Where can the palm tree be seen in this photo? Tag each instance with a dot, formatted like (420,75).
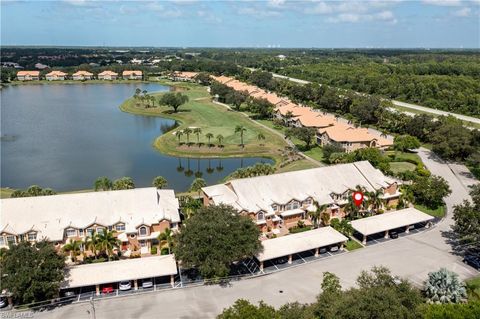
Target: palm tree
(91,243)
(103,183)
(197,132)
(179,135)
(123,183)
(209,136)
(106,242)
(317,213)
(260,137)
(220,139)
(197,185)
(74,248)
(159,182)
(374,200)
(137,93)
(240,129)
(165,239)
(187,132)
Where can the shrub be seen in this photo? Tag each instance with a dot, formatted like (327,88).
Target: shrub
(153,250)
(444,286)
(164,251)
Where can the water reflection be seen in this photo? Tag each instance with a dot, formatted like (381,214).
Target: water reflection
(65,136)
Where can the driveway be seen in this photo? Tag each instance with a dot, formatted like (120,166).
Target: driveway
(411,257)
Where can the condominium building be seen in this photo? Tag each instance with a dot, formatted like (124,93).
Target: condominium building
(281,200)
(132,75)
(28,75)
(107,75)
(137,216)
(56,76)
(82,76)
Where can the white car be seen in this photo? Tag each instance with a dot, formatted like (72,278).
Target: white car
(147,284)
(125,285)
(3,302)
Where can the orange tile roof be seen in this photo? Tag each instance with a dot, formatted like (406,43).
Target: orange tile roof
(108,72)
(342,132)
(294,108)
(189,75)
(316,119)
(134,72)
(31,73)
(84,73)
(56,73)
(222,79)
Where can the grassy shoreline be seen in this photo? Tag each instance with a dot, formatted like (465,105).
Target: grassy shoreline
(200,112)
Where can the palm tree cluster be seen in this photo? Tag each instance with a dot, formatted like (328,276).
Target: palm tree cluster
(258,169)
(102,243)
(166,240)
(197,131)
(144,98)
(319,214)
(104,183)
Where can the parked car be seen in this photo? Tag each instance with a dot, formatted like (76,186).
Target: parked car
(107,289)
(473,261)
(334,248)
(3,302)
(147,283)
(282,260)
(393,234)
(322,250)
(125,285)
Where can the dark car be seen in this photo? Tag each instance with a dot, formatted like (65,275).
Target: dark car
(282,260)
(473,261)
(393,234)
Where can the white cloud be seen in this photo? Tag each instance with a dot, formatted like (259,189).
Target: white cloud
(257,12)
(209,16)
(276,3)
(444,3)
(164,11)
(464,12)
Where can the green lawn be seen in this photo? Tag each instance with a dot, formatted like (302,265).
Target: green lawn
(211,118)
(315,152)
(398,167)
(352,245)
(473,288)
(296,166)
(439,212)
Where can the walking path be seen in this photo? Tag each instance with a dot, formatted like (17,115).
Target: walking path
(411,257)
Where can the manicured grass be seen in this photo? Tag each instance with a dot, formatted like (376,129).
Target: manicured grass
(439,212)
(296,230)
(473,288)
(6,192)
(297,165)
(352,245)
(316,153)
(404,157)
(211,118)
(398,167)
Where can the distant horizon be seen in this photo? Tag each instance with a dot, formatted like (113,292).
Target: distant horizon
(373,24)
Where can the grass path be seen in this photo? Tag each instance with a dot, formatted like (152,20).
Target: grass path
(210,118)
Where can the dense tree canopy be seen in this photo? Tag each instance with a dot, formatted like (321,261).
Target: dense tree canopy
(173,100)
(33,190)
(215,237)
(430,190)
(405,142)
(32,273)
(467,222)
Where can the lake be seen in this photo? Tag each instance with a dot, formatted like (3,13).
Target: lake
(64,136)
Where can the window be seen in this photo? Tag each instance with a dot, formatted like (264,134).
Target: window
(21,237)
(120,227)
(110,228)
(100,230)
(71,232)
(275,207)
(261,215)
(80,232)
(142,231)
(2,241)
(89,231)
(10,239)
(295,204)
(32,236)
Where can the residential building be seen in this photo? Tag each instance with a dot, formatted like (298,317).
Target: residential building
(138,216)
(28,75)
(41,66)
(132,75)
(281,200)
(82,76)
(222,79)
(107,75)
(56,76)
(350,138)
(183,76)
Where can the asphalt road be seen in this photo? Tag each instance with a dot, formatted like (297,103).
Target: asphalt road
(411,257)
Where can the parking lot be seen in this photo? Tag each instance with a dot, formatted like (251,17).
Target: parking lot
(276,264)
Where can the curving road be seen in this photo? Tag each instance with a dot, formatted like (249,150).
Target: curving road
(411,257)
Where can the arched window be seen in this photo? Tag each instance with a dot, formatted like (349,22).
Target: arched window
(261,215)
(142,231)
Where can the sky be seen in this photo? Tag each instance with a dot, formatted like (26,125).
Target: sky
(273,23)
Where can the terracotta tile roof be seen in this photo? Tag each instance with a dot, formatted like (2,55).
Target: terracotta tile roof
(107,72)
(222,79)
(84,73)
(341,132)
(134,72)
(316,119)
(56,73)
(31,73)
(189,75)
(294,108)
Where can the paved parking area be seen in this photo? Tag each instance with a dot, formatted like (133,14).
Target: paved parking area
(380,237)
(273,265)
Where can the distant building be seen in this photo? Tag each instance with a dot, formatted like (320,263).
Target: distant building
(28,75)
(281,57)
(183,76)
(132,75)
(107,75)
(11,65)
(82,76)
(41,66)
(56,76)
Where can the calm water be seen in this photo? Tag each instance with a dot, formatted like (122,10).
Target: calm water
(65,136)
